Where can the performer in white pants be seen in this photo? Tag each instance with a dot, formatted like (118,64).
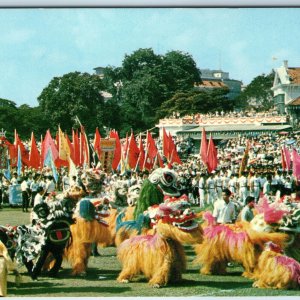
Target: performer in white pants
(243,187)
(202,190)
(211,189)
(255,187)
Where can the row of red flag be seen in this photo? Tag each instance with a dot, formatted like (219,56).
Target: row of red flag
(129,154)
(208,152)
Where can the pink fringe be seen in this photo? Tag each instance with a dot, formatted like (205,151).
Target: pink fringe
(149,239)
(271,214)
(292,265)
(209,218)
(235,239)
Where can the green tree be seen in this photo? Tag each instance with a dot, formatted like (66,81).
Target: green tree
(8,117)
(74,94)
(196,101)
(31,119)
(145,81)
(258,94)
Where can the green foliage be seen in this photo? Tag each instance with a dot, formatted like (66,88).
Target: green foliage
(145,81)
(73,94)
(258,94)
(196,101)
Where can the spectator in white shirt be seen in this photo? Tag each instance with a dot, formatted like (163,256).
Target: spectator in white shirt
(50,186)
(224,210)
(25,194)
(38,199)
(33,188)
(14,180)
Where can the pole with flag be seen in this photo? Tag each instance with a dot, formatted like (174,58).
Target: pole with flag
(203,147)
(19,163)
(245,159)
(50,163)
(212,156)
(6,172)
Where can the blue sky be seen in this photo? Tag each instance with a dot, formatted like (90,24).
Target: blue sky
(39,44)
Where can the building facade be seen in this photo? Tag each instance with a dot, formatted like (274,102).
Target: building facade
(218,79)
(286,89)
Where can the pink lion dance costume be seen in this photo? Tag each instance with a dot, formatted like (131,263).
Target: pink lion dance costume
(232,242)
(275,270)
(160,257)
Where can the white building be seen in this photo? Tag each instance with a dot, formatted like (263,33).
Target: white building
(286,88)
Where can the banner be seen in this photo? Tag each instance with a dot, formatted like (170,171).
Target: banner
(107,147)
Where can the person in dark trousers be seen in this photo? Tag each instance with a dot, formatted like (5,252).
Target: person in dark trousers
(25,195)
(57,252)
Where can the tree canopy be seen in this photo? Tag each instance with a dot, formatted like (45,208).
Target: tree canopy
(145,81)
(73,94)
(258,94)
(196,101)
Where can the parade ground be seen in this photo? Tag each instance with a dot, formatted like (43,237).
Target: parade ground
(103,271)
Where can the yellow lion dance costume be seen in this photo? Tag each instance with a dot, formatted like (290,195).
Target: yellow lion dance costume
(6,265)
(275,270)
(89,228)
(232,242)
(160,257)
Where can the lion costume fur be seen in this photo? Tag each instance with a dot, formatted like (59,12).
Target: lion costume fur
(276,270)
(84,233)
(232,242)
(160,257)
(6,264)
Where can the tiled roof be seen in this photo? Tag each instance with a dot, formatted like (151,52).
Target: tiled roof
(296,101)
(294,74)
(212,84)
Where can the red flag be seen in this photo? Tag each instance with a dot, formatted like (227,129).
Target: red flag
(166,144)
(76,147)
(159,160)
(24,152)
(133,152)
(287,156)
(141,159)
(151,152)
(283,161)
(174,157)
(203,147)
(296,164)
(48,143)
(34,154)
(212,156)
(97,143)
(117,153)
